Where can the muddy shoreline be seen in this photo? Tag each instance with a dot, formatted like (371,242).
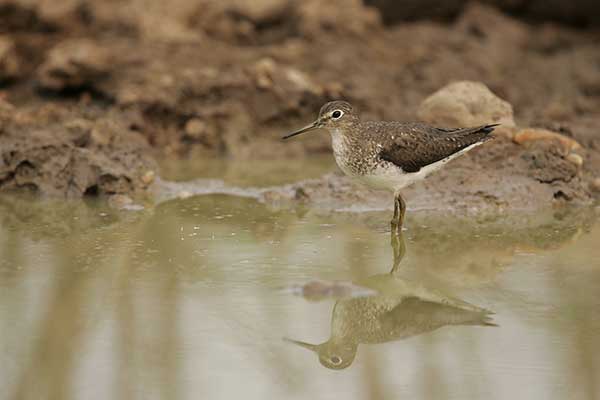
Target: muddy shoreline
(92,95)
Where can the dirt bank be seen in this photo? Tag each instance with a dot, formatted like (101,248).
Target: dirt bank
(198,77)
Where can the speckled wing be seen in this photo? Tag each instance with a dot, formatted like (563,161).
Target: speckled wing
(415,146)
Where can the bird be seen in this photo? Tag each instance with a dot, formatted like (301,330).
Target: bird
(401,309)
(390,154)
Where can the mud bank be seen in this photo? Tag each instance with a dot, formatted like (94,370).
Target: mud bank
(202,78)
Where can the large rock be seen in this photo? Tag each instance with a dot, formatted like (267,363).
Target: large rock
(465,103)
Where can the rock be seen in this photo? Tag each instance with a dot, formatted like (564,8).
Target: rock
(7,111)
(548,163)
(184,194)
(595,185)
(74,64)
(575,159)
(316,16)
(194,128)
(281,88)
(527,135)
(148,178)
(259,11)
(465,103)
(268,74)
(242,21)
(119,201)
(9,59)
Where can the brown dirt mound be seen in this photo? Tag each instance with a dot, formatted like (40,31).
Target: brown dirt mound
(198,77)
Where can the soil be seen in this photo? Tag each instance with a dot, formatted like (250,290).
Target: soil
(200,78)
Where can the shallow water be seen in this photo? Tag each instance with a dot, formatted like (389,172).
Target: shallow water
(191,299)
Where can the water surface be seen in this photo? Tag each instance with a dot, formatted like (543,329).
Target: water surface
(189,299)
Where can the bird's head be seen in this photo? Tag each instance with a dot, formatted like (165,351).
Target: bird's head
(333,116)
(332,355)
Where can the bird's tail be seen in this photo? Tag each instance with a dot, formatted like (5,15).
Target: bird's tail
(488,128)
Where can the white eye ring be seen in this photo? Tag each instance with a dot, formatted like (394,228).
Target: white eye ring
(337,114)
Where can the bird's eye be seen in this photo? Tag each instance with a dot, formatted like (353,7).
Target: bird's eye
(337,114)
(336,360)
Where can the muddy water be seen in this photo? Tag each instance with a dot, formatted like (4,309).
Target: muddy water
(193,299)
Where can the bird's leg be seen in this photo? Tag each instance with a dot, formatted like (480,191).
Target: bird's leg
(399,248)
(399,210)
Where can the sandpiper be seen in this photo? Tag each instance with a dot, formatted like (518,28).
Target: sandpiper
(388,154)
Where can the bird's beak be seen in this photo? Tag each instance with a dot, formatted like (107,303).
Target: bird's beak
(311,347)
(314,125)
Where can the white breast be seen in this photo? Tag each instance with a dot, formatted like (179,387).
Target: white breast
(340,149)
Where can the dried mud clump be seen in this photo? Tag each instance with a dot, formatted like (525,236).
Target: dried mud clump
(59,153)
(9,59)
(74,65)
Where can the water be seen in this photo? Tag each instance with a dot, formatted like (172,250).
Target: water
(191,299)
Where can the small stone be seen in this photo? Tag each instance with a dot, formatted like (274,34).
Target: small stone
(533,134)
(263,71)
(301,195)
(148,177)
(184,194)
(595,185)
(194,128)
(575,159)
(119,201)
(465,103)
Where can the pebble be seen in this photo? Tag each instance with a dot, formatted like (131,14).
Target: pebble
(575,159)
(119,201)
(195,127)
(148,177)
(534,134)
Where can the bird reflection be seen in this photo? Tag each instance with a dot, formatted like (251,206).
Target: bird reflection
(401,309)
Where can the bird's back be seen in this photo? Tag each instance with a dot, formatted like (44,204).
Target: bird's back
(412,146)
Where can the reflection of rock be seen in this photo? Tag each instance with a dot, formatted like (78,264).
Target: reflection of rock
(53,218)
(401,309)
(318,290)
(465,104)
(74,64)
(56,154)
